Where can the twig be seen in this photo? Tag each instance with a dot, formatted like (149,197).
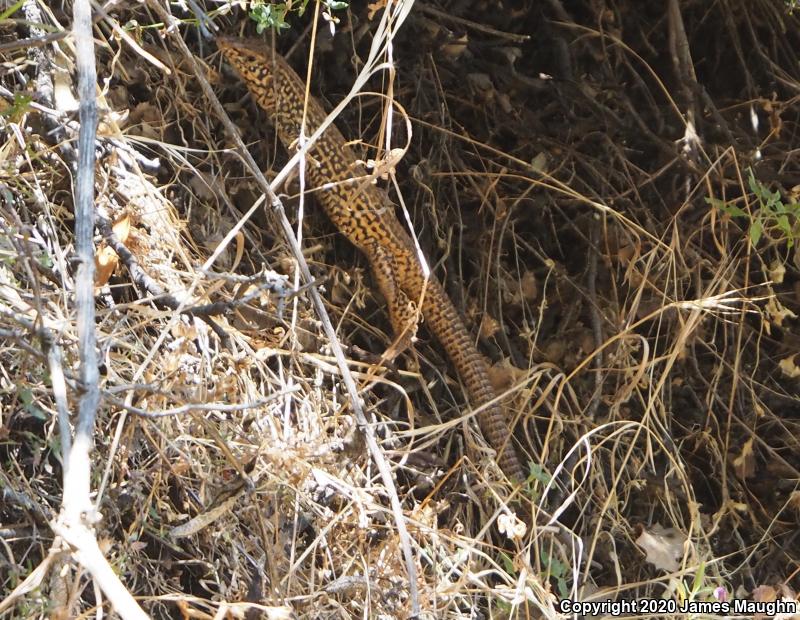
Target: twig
(267,279)
(477,26)
(32,42)
(76,471)
(54,363)
(191,407)
(148,285)
(75,523)
(44,91)
(41,512)
(594,315)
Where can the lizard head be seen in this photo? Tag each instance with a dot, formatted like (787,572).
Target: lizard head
(253,61)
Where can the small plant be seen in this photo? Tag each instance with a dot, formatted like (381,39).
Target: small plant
(17,109)
(538,478)
(273,14)
(702,589)
(29,404)
(772,216)
(556,569)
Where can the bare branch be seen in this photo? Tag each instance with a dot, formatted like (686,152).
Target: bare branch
(74,524)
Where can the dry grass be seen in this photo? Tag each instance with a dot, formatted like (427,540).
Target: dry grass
(582,220)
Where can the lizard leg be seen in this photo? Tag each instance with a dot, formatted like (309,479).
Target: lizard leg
(403,313)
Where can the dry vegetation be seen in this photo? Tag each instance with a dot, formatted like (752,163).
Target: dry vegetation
(608,190)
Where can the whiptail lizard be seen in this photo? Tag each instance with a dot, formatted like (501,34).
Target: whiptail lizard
(367,218)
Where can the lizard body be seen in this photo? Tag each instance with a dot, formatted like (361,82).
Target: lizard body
(364,215)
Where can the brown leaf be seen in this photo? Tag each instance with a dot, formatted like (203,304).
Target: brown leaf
(489,326)
(745,463)
(789,368)
(105,262)
(778,312)
(529,286)
(554,351)
(663,547)
(374,7)
(794,502)
(503,375)
(105,259)
(763,594)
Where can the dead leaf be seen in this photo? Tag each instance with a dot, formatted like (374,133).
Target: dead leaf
(480,82)
(105,262)
(63,95)
(105,259)
(503,375)
(763,594)
(663,547)
(539,163)
(794,502)
(529,286)
(627,253)
(122,228)
(382,168)
(745,463)
(775,120)
(777,271)
(554,351)
(184,330)
(105,544)
(778,312)
(454,48)
(511,526)
(789,368)
(489,326)
(374,7)
(585,338)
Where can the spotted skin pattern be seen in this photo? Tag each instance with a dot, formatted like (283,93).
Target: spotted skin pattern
(364,215)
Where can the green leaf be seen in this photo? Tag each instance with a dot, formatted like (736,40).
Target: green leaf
(11,10)
(751,181)
(26,398)
(756,230)
(508,564)
(726,207)
(503,606)
(20,106)
(55,447)
(783,224)
(775,200)
(269,16)
(699,577)
(538,473)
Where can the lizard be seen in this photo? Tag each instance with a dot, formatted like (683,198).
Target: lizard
(366,217)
